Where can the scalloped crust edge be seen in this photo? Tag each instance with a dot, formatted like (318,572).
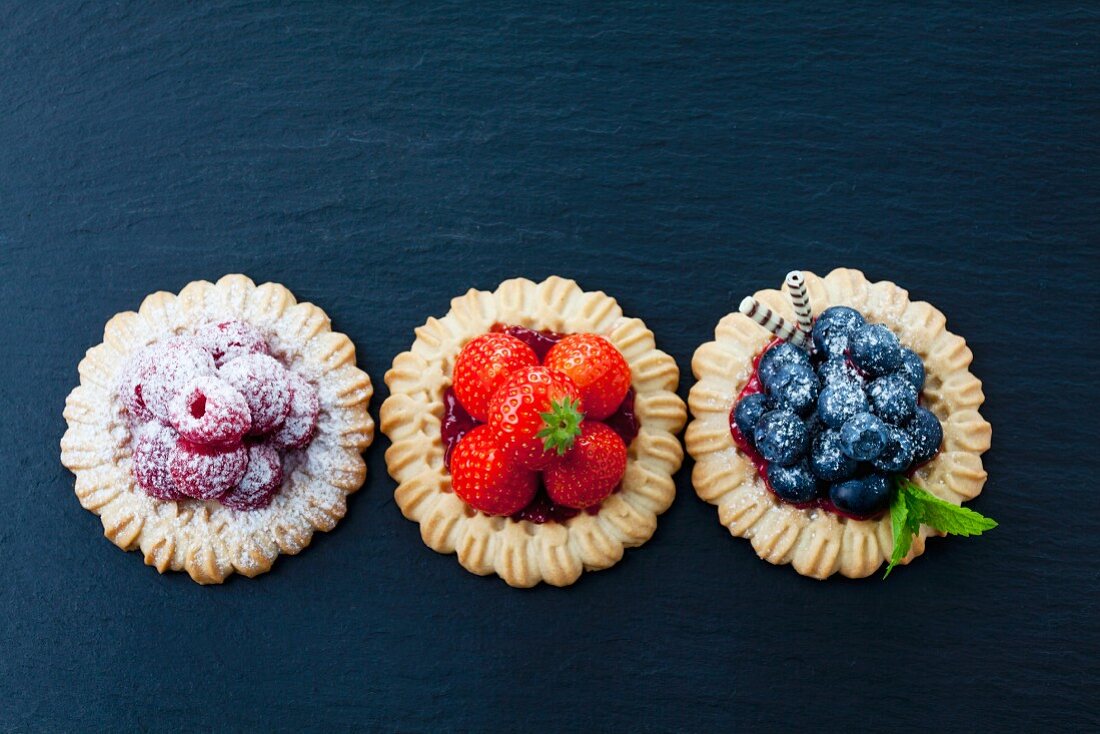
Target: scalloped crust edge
(205,539)
(818,543)
(525,553)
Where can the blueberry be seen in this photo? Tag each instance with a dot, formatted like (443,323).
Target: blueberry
(814,425)
(793,483)
(926,433)
(827,461)
(898,454)
(833,328)
(778,356)
(781,437)
(839,402)
(863,496)
(794,388)
(748,412)
(911,369)
(892,399)
(838,370)
(875,350)
(863,437)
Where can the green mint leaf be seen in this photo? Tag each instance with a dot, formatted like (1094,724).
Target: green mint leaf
(903,538)
(943,516)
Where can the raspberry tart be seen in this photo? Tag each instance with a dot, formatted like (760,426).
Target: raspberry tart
(218,428)
(534,431)
(843,433)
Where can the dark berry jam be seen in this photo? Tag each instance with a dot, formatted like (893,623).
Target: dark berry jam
(540,341)
(456,423)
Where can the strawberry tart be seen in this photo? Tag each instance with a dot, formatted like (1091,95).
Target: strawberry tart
(215,429)
(534,431)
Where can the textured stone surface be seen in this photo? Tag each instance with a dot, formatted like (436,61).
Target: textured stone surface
(380,161)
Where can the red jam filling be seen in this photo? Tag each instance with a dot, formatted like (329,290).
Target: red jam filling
(753,386)
(457,423)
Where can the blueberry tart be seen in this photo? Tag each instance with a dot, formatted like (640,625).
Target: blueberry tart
(836,425)
(217,428)
(534,431)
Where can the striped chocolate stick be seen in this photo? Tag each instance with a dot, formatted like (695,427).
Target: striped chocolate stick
(796,286)
(771,321)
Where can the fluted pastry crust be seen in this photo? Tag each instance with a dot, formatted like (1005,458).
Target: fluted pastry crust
(206,539)
(525,553)
(816,542)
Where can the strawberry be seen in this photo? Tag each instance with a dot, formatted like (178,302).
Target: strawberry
(536,412)
(597,368)
(482,366)
(485,478)
(590,471)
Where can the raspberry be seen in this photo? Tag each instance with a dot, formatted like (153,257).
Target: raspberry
(260,483)
(171,365)
(150,462)
(297,429)
(209,411)
(129,387)
(206,472)
(265,386)
(228,340)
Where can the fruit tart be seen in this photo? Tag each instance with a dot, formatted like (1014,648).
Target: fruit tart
(218,428)
(838,429)
(534,431)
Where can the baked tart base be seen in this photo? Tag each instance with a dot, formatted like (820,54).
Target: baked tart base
(206,539)
(524,553)
(816,542)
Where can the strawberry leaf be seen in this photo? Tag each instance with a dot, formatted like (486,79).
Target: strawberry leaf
(562,426)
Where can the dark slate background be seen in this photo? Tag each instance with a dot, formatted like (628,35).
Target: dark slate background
(380,161)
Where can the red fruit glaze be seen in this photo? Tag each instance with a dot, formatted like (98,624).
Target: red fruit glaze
(297,429)
(265,386)
(261,481)
(206,472)
(515,412)
(209,411)
(483,364)
(540,341)
(486,478)
(455,424)
(597,368)
(227,340)
(590,471)
(169,367)
(152,447)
